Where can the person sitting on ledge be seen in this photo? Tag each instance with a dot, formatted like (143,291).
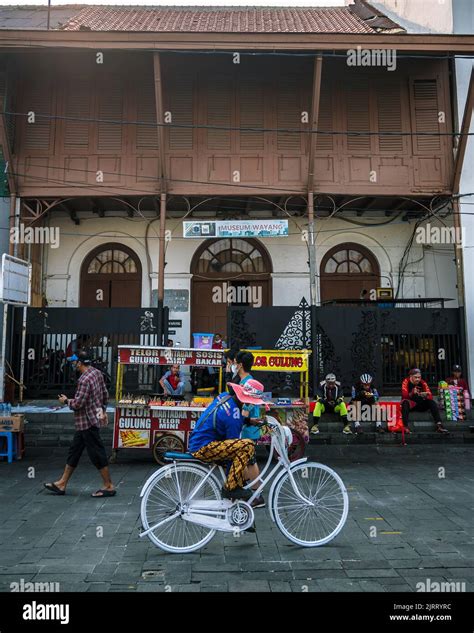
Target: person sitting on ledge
(330,397)
(417,396)
(364,391)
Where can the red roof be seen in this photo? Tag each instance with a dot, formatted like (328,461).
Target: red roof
(232,19)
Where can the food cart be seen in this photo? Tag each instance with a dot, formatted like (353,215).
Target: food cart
(150,421)
(292,412)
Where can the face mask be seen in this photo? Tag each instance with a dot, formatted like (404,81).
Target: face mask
(233,369)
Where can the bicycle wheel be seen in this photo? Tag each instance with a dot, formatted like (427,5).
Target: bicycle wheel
(161,501)
(318,523)
(167,442)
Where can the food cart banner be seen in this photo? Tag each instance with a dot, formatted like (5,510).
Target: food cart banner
(140,427)
(279,361)
(170,356)
(236,228)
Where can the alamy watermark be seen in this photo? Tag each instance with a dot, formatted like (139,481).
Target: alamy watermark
(243,295)
(384,57)
(430,234)
(432,586)
(35,235)
(22,586)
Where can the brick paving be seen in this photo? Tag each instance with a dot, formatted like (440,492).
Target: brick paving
(406,524)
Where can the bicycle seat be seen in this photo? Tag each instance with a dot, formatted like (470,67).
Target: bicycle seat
(175,457)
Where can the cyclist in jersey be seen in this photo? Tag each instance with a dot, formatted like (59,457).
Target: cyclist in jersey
(216,436)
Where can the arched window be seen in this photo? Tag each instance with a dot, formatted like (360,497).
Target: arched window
(230,257)
(111,277)
(348,271)
(227,272)
(113,260)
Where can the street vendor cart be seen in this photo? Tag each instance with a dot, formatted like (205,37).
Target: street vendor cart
(289,411)
(152,421)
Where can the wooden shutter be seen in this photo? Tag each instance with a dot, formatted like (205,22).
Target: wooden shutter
(389,117)
(219,113)
(325,142)
(77,108)
(252,114)
(289,114)
(358,116)
(147,135)
(110,108)
(180,96)
(425,109)
(38,99)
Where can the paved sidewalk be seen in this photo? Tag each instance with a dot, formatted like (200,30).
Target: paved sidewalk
(407,525)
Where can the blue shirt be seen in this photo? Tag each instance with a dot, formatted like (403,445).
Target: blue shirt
(229,422)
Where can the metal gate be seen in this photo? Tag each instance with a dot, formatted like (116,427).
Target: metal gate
(53,334)
(383,341)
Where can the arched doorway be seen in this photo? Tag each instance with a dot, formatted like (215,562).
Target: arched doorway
(348,271)
(227,272)
(111,277)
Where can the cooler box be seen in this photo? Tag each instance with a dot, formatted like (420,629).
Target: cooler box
(203,340)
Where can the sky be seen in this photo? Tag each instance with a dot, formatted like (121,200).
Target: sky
(207,3)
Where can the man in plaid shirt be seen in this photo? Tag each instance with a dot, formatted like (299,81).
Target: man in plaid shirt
(89,405)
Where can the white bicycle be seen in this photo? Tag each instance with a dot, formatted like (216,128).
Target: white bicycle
(182,506)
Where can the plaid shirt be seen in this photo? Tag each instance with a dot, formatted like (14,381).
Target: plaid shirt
(90,397)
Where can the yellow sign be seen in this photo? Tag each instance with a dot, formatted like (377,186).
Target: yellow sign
(280,360)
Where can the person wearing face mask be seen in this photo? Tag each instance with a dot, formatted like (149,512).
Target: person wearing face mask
(230,370)
(417,396)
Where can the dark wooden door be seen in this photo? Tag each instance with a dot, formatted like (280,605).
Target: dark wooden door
(111,277)
(349,271)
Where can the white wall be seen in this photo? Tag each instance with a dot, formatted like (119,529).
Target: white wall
(464,22)
(433,276)
(431,15)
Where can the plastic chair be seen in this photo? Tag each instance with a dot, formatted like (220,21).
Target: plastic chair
(11,446)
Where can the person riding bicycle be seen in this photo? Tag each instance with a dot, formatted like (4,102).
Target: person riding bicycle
(365,392)
(330,397)
(216,436)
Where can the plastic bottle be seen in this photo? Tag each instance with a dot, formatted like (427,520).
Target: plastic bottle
(9,409)
(2,411)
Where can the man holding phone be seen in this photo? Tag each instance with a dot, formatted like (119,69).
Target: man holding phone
(417,396)
(89,405)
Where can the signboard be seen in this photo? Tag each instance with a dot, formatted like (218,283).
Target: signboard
(15,282)
(286,360)
(141,355)
(140,427)
(236,228)
(175,323)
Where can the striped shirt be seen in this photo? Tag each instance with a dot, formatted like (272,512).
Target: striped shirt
(90,399)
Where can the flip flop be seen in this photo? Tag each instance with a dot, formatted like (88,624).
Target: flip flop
(54,489)
(98,494)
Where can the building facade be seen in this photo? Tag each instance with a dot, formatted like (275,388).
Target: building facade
(245,114)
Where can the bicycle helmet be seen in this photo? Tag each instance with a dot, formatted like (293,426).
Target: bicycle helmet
(366,379)
(330,378)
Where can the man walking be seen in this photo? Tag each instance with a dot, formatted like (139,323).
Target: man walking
(89,405)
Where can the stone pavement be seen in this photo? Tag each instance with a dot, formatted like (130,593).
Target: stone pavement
(409,522)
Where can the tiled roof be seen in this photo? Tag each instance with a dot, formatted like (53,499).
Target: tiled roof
(358,18)
(36,17)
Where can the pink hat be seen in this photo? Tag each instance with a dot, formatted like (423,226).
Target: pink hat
(250,393)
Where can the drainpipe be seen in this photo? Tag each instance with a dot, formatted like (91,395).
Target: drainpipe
(161,261)
(312,285)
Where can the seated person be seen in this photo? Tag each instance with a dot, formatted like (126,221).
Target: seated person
(330,398)
(216,436)
(173,382)
(417,396)
(365,392)
(456,379)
